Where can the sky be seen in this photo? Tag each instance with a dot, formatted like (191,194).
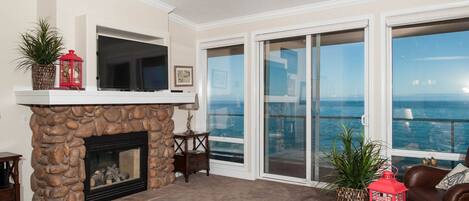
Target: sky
(430,67)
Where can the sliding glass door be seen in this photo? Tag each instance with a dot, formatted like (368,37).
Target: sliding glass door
(284,109)
(338,92)
(323,73)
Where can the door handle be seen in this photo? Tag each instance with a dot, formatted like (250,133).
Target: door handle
(363,120)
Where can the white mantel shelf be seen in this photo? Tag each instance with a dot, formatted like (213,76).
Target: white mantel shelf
(71,97)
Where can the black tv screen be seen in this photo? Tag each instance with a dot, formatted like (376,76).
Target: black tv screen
(131,66)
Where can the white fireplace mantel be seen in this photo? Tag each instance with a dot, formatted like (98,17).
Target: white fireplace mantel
(72,97)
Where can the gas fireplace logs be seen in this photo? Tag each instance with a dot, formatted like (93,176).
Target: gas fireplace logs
(58,145)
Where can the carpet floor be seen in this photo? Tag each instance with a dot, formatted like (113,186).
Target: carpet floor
(218,188)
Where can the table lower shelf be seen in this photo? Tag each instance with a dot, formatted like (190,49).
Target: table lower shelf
(7,193)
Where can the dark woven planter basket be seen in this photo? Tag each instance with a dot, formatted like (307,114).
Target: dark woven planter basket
(43,76)
(350,194)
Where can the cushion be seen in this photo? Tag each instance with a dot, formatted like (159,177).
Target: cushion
(459,175)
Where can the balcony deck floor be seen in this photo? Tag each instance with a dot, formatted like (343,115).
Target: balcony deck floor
(219,188)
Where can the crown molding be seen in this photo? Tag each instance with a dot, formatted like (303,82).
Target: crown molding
(182,21)
(280,13)
(159,4)
(254,17)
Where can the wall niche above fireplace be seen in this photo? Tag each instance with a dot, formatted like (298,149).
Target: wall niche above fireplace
(116,165)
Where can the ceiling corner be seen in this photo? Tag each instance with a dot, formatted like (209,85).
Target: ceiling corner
(183,21)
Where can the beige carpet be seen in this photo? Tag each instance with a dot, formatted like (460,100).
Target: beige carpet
(218,188)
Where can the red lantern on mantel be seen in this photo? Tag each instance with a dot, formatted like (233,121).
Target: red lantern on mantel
(71,71)
(387,188)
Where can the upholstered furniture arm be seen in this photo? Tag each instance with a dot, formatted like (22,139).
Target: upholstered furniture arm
(459,192)
(424,176)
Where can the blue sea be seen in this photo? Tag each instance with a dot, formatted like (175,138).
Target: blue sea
(417,125)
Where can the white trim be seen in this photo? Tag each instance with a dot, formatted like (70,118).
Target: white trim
(275,177)
(255,108)
(235,39)
(201,63)
(314,184)
(281,99)
(159,4)
(391,19)
(261,95)
(308,8)
(247,118)
(426,14)
(81,97)
(182,21)
(427,154)
(368,61)
(322,26)
(227,139)
(308,130)
(229,169)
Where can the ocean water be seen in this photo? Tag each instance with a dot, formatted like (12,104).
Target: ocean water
(441,126)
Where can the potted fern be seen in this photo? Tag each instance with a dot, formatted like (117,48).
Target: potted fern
(40,48)
(357,162)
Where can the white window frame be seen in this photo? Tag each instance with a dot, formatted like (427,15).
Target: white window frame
(409,17)
(257,42)
(240,170)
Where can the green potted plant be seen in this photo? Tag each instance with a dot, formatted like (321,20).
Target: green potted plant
(40,48)
(357,162)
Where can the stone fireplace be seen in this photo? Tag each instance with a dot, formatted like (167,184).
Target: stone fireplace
(59,150)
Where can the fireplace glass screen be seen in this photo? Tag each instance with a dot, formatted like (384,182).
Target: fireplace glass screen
(116,165)
(113,167)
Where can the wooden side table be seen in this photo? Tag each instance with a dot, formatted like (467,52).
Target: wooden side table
(10,192)
(188,161)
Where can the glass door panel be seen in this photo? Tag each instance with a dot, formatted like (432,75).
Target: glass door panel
(430,92)
(338,75)
(225,102)
(284,107)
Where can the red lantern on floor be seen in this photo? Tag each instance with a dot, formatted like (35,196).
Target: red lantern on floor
(387,188)
(71,71)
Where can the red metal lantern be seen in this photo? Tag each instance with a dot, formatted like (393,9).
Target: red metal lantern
(71,71)
(387,188)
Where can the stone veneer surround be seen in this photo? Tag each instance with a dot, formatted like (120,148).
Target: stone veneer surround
(59,150)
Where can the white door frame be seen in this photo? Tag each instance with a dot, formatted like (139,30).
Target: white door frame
(217,166)
(257,43)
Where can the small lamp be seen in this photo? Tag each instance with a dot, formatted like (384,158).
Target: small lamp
(189,107)
(71,71)
(387,188)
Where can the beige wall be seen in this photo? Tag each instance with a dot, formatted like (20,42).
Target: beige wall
(124,13)
(182,54)
(20,15)
(15,135)
(373,8)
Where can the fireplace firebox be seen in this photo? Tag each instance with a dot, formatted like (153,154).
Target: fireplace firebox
(116,165)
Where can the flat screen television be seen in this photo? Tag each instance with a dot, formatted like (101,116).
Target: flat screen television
(126,65)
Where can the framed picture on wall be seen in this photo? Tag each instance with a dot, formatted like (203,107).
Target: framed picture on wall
(183,76)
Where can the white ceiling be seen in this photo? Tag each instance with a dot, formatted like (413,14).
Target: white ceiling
(205,11)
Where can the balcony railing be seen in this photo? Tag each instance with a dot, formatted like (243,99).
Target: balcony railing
(451,122)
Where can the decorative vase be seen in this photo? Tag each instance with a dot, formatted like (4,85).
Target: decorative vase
(43,76)
(351,194)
